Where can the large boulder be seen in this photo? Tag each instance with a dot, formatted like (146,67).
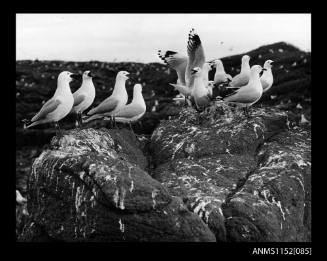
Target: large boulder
(247,178)
(91,185)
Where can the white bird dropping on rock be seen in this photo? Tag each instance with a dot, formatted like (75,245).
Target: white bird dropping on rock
(114,102)
(19,198)
(59,105)
(84,96)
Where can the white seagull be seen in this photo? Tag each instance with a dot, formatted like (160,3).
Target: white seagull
(59,105)
(267,78)
(184,64)
(220,75)
(200,91)
(247,95)
(242,78)
(114,102)
(132,111)
(84,96)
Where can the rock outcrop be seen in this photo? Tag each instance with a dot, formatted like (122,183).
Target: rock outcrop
(213,176)
(248,179)
(90,185)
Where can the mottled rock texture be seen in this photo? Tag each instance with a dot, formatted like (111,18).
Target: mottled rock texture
(247,178)
(90,185)
(211,176)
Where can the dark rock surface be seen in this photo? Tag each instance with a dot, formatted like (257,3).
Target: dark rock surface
(90,185)
(248,179)
(215,176)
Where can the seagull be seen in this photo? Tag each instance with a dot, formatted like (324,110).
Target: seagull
(247,95)
(242,78)
(133,111)
(19,198)
(114,102)
(200,92)
(84,96)
(183,64)
(267,76)
(58,106)
(220,75)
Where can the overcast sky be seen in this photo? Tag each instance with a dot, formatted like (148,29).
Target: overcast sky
(138,37)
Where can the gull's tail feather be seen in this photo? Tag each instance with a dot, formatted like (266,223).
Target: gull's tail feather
(26,122)
(31,124)
(92,111)
(93,117)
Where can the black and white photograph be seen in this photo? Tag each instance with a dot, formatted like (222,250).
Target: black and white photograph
(164,127)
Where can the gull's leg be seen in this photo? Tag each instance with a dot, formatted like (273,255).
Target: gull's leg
(58,129)
(248,111)
(77,121)
(110,122)
(244,110)
(114,122)
(80,118)
(185,102)
(130,127)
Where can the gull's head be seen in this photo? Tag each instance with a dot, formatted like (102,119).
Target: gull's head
(138,88)
(123,75)
(245,58)
(196,71)
(257,69)
(268,64)
(88,75)
(207,66)
(66,76)
(218,63)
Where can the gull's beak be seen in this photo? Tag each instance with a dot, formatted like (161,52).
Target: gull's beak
(193,71)
(76,76)
(131,76)
(90,74)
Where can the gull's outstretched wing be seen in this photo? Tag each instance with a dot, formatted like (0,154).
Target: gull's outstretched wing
(175,61)
(196,55)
